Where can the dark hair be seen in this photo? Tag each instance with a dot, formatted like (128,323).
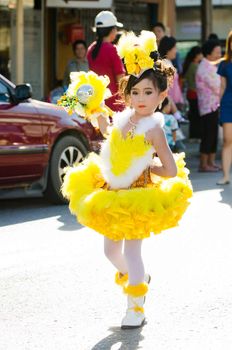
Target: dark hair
(101,34)
(213,36)
(164,104)
(78,42)
(159,76)
(228,53)
(193,52)
(160,25)
(209,46)
(166,44)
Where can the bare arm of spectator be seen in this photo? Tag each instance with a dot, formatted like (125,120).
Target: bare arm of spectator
(175,111)
(173,106)
(174,135)
(223,86)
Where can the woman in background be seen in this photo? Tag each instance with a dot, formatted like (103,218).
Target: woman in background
(225,71)
(103,57)
(167,50)
(193,58)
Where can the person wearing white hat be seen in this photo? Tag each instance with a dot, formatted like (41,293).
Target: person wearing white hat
(103,57)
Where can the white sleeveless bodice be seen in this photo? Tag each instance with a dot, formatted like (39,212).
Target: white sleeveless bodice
(123,159)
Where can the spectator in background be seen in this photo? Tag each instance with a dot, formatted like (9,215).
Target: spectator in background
(78,63)
(103,57)
(208,93)
(171,127)
(225,71)
(160,31)
(213,36)
(167,49)
(192,60)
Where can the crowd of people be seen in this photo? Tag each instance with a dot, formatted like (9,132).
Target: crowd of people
(202,83)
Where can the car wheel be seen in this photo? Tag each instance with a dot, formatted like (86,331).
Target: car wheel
(68,151)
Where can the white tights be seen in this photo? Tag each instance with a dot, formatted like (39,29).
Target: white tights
(130,261)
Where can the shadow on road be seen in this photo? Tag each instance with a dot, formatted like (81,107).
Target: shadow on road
(126,339)
(208,181)
(69,221)
(15,211)
(21,210)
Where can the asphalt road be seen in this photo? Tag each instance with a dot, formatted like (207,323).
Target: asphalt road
(57,290)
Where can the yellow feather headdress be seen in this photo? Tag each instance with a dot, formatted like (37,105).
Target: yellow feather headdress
(136,50)
(86,94)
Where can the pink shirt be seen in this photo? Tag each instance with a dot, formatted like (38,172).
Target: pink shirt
(175,91)
(208,87)
(108,63)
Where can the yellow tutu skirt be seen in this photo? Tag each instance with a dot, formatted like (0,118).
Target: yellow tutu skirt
(126,213)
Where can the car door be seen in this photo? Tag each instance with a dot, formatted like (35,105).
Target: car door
(22,152)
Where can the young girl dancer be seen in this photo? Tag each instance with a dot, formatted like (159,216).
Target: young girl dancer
(125,193)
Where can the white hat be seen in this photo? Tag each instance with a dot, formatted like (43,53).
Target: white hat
(106,19)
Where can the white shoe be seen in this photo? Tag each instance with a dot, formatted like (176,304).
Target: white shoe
(134,317)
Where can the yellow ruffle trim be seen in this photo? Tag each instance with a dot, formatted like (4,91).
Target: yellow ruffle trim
(121,279)
(136,291)
(126,214)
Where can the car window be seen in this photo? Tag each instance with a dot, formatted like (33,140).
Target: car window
(4,93)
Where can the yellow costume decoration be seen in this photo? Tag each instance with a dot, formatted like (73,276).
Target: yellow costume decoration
(120,279)
(135,51)
(85,96)
(129,147)
(117,209)
(136,291)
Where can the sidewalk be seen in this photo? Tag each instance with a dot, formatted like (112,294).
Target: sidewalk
(205,181)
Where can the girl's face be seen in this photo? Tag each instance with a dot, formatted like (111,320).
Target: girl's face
(145,97)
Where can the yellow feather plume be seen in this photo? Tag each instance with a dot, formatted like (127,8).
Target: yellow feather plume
(136,51)
(130,148)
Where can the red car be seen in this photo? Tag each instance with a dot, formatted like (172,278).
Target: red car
(38,141)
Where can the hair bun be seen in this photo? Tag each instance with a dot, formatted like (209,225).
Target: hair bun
(155,55)
(165,68)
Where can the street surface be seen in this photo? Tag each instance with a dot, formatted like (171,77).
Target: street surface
(57,289)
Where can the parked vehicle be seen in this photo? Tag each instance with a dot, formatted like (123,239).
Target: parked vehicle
(38,141)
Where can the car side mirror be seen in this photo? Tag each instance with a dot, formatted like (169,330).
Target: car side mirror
(23,92)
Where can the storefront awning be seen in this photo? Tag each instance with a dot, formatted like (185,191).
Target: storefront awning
(84,4)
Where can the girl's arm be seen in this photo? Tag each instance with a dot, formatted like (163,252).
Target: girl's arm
(167,168)
(103,124)
(223,86)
